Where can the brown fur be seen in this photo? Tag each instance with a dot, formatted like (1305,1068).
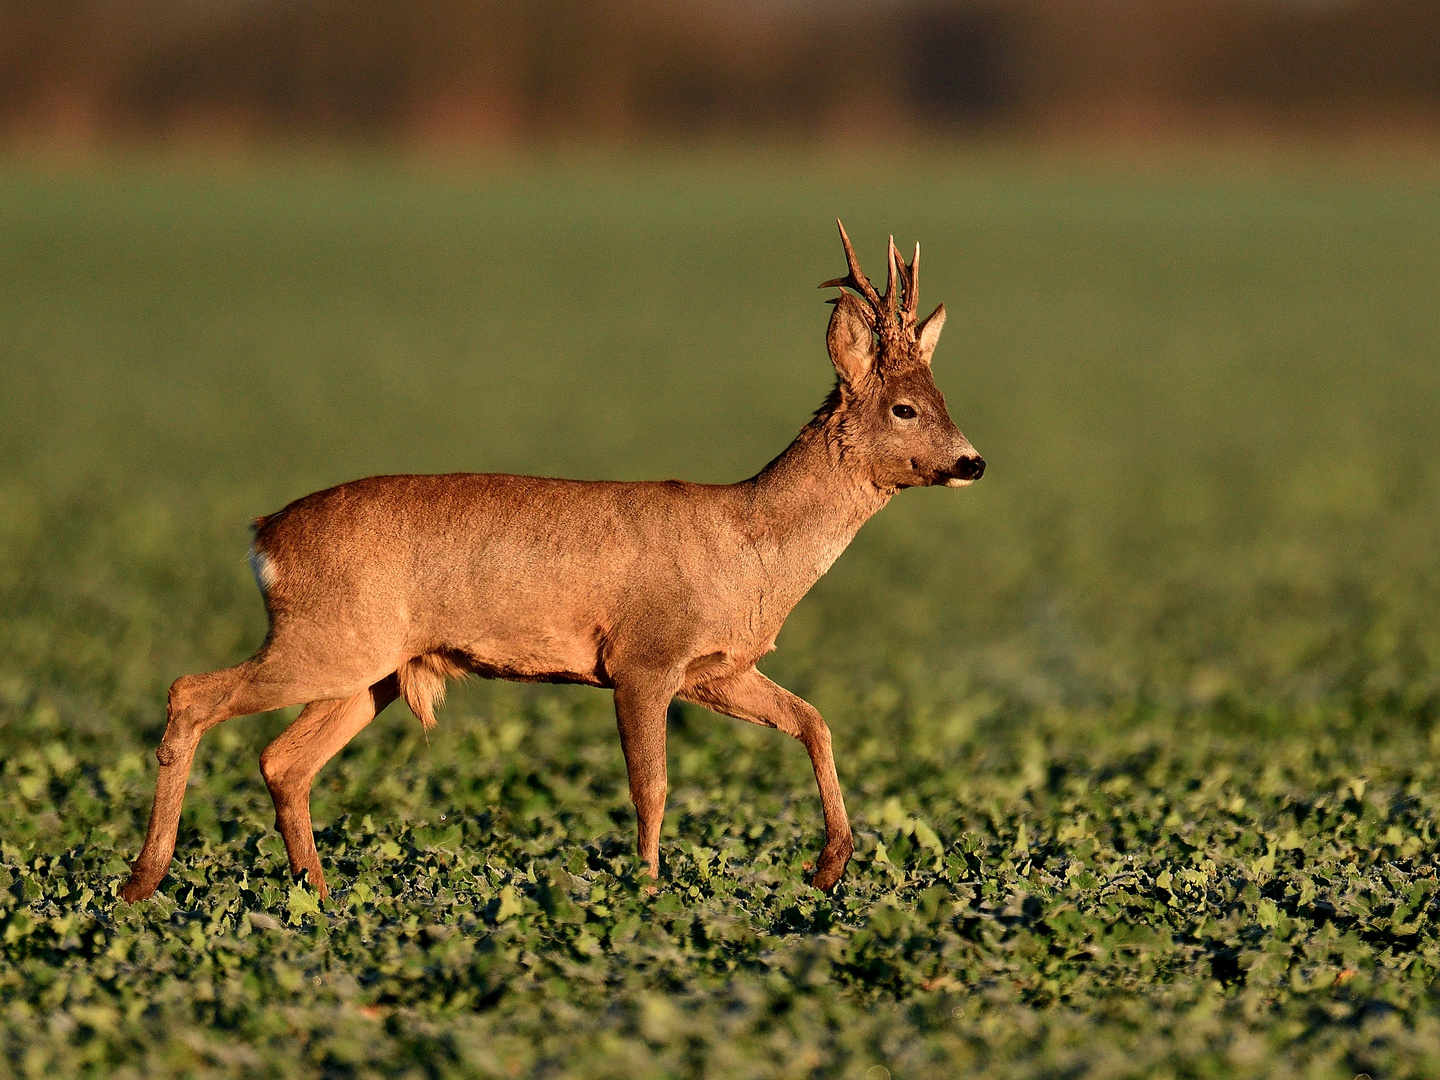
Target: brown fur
(388,586)
(422,683)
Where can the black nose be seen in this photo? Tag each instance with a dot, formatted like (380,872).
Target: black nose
(970,468)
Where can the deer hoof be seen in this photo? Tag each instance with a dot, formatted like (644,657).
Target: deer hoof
(832,865)
(138,887)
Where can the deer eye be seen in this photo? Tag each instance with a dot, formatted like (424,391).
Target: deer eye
(904,412)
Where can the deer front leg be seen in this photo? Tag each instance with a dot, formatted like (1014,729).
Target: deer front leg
(640,707)
(291,762)
(752,697)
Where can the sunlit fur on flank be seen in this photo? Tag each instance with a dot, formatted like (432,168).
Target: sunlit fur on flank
(389,586)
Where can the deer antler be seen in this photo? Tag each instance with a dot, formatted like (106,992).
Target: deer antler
(884,310)
(912,286)
(892,291)
(856,278)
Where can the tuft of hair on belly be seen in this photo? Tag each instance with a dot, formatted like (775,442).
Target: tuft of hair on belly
(422,683)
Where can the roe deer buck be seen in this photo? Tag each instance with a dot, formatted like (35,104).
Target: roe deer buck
(386,587)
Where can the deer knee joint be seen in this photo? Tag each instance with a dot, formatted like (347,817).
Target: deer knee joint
(271,767)
(178,741)
(811,729)
(180,728)
(180,698)
(277,767)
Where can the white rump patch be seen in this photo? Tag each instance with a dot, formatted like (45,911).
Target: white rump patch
(263,567)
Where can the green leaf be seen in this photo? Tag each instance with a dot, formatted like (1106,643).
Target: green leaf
(300,902)
(1267,914)
(510,904)
(927,837)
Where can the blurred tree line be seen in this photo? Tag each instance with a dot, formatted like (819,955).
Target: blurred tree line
(484,70)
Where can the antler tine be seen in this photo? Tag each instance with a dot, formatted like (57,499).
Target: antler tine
(912,284)
(856,279)
(892,290)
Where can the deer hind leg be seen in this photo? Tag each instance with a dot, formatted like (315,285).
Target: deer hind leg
(752,697)
(640,714)
(268,680)
(291,762)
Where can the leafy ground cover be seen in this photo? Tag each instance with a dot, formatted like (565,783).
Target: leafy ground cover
(1137,734)
(1148,901)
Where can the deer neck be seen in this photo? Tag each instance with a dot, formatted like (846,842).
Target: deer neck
(808,504)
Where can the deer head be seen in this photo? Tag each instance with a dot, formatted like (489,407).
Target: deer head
(889,416)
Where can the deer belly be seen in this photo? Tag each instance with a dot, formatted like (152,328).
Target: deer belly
(536,654)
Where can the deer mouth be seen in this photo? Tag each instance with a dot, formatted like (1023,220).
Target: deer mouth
(965,472)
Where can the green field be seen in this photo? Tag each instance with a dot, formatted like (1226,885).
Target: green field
(1138,734)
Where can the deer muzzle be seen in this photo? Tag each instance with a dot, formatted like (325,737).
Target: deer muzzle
(966,471)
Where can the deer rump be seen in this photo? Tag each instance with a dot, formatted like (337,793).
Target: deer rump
(512,577)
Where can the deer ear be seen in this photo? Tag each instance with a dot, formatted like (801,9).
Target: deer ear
(851,344)
(929,333)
